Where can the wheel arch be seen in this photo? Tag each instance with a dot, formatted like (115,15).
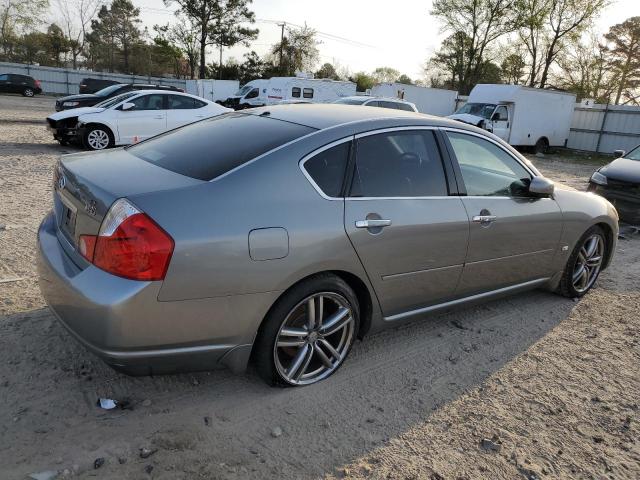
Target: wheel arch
(610,243)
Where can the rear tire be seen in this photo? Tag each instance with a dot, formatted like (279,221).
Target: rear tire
(294,347)
(28,92)
(541,146)
(584,264)
(98,137)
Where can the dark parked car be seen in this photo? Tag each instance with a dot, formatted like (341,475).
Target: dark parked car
(92,85)
(619,182)
(89,100)
(23,84)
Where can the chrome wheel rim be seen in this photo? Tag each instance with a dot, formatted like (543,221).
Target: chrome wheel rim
(98,139)
(588,263)
(314,338)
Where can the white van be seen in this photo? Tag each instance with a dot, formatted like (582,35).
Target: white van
(257,93)
(434,101)
(522,116)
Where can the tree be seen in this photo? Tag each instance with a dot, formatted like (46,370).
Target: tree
(76,18)
(219,22)
(474,25)
(254,67)
(404,79)
(57,44)
(512,68)
(385,74)
(126,19)
(17,17)
(299,51)
(624,58)
(546,27)
(182,35)
(363,81)
(227,28)
(327,71)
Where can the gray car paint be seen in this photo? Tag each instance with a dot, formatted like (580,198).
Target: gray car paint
(215,295)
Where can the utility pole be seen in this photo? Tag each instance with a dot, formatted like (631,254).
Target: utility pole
(281,44)
(220,67)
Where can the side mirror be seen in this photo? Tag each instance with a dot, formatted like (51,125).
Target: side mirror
(541,187)
(619,153)
(495,117)
(127,106)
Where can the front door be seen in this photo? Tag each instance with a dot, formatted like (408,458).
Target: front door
(501,122)
(513,236)
(147,118)
(410,235)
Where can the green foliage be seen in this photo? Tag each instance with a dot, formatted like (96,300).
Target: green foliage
(298,50)
(363,81)
(623,52)
(385,74)
(513,67)
(327,71)
(404,79)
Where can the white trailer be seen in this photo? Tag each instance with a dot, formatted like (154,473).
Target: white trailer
(275,90)
(434,101)
(522,116)
(214,90)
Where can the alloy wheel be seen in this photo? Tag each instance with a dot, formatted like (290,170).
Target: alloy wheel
(314,338)
(28,92)
(588,263)
(98,139)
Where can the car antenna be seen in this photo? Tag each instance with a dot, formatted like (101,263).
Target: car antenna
(265,114)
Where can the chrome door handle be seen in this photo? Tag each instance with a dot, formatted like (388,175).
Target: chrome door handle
(484,218)
(372,223)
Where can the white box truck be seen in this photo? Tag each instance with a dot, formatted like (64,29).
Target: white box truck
(214,90)
(275,90)
(434,101)
(522,116)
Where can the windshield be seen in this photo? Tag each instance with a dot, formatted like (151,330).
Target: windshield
(106,91)
(634,154)
(483,110)
(110,102)
(244,90)
(351,101)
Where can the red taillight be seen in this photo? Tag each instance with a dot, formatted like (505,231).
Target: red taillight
(130,245)
(38,83)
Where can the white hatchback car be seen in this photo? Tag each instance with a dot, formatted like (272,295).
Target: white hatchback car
(130,118)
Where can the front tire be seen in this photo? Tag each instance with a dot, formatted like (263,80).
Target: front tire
(584,264)
(28,92)
(98,138)
(308,333)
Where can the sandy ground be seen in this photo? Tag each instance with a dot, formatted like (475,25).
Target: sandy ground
(551,385)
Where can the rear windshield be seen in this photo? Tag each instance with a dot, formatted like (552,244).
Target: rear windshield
(207,149)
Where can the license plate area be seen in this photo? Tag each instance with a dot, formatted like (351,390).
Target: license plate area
(67,220)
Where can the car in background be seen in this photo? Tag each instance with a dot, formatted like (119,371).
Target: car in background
(92,85)
(619,182)
(383,102)
(130,118)
(91,99)
(283,233)
(23,84)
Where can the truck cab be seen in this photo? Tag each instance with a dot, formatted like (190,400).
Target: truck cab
(251,94)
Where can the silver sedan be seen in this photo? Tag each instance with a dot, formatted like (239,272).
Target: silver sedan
(281,234)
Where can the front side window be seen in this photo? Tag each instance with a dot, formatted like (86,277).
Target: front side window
(399,164)
(404,106)
(501,114)
(4,77)
(149,102)
(488,170)
(295,92)
(328,167)
(386,104)
(252,94)
(307,93)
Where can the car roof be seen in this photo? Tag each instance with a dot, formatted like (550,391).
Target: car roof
(365,98)
(327,115)
(169,92)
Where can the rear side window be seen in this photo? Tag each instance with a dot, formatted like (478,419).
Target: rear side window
(179,102)
(307,93)
(210,148)
(399,164)
(295,92)
(404,106)
(328,167)
(385,104)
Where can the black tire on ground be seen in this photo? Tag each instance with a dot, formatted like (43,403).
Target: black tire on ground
(541,146)
(263,350)
(566,287)
(28,92)
(91,138)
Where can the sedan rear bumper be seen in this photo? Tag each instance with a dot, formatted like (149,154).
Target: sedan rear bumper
(122,321)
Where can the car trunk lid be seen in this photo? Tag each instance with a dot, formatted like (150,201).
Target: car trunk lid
(87,184)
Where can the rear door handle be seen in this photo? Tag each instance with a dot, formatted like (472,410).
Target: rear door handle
(484,218)
(372,223)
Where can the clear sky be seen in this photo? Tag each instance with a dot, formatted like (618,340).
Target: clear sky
(400,34)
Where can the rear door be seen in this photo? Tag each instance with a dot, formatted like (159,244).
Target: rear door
(147,119)
(4,83)
(182,110)
(409,233)
(513,236)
